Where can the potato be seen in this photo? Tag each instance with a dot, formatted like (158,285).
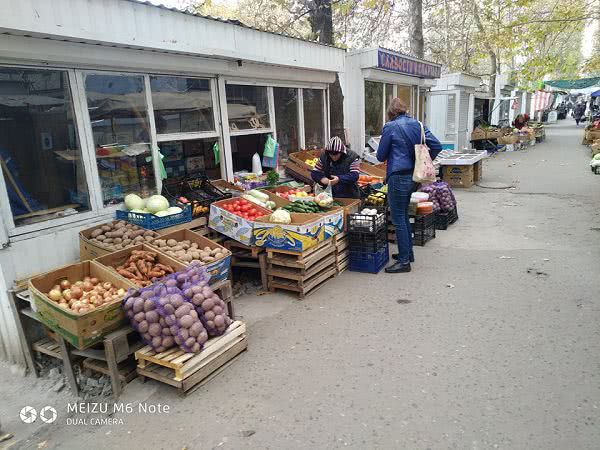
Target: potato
(208,259)
(170,309)
(138,304)
(174,329)
(183,310)
(152,316)
(186,258)
(204,254)
(217,310)
(101,238)
(166,331)
(207,249)
(139,317)
(143,326)
(156,341)
(171,242)
(190,342)
(185,245)
(195,245)
(168,341)
(195,255)
(186,321)
(177,248)
(208,304)
(195,348)
(96,233)
(154,329)
(196,329)
(219,321)
(194,314)
(209,315)
(184,333)
(178,340)
(106,228)
(203,337)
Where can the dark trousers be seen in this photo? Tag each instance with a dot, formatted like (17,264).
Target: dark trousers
(400,188)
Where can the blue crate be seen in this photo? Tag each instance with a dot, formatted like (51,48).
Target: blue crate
(368,262)
(152,222)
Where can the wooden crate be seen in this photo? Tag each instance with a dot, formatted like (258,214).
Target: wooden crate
(248,257)
(342,251)
(126,369)
(47,346)
(304,272)
(187,371)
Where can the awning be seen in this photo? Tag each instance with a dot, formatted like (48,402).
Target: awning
(574,84)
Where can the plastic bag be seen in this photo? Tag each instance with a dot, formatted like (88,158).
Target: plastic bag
(424,171)
(323,195)
(271,153)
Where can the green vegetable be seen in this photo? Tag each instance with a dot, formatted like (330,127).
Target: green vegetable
(272,177)
(254,200)
(259,195)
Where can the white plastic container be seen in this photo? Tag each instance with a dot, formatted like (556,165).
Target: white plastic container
(256,164)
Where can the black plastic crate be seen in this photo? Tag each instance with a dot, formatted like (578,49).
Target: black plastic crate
(443,219)
(367,223)
(367,242)
(423,227)
(368,262)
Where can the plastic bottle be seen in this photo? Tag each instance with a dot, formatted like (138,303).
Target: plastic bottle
(256,164)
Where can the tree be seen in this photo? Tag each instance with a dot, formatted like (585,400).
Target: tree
(415,13)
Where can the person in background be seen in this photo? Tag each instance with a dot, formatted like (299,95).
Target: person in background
(397,147)
(579,112)
(338,168)
(521,121)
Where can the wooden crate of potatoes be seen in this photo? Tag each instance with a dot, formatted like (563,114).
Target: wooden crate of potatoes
(303,272)
(187,371)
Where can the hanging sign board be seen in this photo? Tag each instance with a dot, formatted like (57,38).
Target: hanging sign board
(396,63)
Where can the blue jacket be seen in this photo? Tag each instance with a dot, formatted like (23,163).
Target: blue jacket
(399,154)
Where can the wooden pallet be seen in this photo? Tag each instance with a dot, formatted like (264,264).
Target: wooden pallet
(342,243)
(248,257)
(186,371)
(303,287)
(48,347)
(341,260)
(126,369)
(242,249)
(303,260)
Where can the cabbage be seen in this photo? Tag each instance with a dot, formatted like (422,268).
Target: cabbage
(157,203)
(174,210)
(162,213)
(133,201)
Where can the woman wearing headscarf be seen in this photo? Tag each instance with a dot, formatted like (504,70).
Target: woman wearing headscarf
(397,147)
(338,168)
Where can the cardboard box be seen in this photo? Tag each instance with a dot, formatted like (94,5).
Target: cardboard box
(113,260)
(333,222)
(378,170)
(592,135)
(232,225)
(477,171)
(280,202)
(459,176)
(478,134)
(298,158)
(80,330)
(299,172)
(90,250)
(218,270)
(304,232)
(596,147)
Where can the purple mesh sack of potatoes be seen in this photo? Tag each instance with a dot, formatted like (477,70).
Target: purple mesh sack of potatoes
(212,310)
(164,318)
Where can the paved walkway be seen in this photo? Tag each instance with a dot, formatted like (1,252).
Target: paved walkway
(491,342)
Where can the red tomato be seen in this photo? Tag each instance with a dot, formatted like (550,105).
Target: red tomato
(253,211)
(246,207)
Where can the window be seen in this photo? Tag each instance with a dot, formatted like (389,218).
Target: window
(373,108)
(182,105)
(314,110)
(190,157)
(286,119)
(243,149)
(119,119)
(40,153)
(404,94)
(389,95)
(247,108)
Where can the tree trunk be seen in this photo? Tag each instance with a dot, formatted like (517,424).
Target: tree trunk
(491,53)
(417,44)
(321,22)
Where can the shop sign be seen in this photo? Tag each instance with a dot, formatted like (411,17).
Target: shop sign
(401,64)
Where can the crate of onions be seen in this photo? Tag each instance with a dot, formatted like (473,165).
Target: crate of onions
(81,302)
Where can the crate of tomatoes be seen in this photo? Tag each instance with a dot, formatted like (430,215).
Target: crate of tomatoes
(235,218)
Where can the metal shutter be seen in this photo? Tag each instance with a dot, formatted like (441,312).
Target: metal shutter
(451,115)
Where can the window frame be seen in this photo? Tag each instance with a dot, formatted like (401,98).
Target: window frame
(14,230)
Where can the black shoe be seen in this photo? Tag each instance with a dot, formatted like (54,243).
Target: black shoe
(398,268)
(395,256)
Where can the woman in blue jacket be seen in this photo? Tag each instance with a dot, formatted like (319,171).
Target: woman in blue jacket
(397,147)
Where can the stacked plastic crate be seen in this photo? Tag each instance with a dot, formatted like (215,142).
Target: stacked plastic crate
(367,236)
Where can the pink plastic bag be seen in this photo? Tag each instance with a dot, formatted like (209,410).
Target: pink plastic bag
(424,171)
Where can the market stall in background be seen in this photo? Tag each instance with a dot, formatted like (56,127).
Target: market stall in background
(372,78)
(451,109)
